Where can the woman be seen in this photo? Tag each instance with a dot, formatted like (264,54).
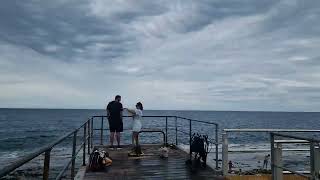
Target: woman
(137,125)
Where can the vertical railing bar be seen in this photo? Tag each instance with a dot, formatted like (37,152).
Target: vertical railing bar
(217,144)
(101,131)
(225,153)
(166,131)
(73,154)
(46,165)
(190,131)
(312,169)
(84,144)
(176,124)
(272,156)
(89,136)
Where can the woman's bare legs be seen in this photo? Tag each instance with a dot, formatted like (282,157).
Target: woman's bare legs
(132,138)
(137,138)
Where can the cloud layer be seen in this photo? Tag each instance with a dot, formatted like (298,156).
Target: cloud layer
(204,55)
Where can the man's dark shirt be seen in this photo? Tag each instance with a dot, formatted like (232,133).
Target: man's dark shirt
(115,108)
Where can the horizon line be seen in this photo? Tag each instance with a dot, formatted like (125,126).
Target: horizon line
(205,110)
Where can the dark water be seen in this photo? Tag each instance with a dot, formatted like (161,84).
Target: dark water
(23,130)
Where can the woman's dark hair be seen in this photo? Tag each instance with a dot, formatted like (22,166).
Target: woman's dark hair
(139,104)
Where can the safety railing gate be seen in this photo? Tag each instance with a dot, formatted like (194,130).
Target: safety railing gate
(226,150)
(276,157)
(191,122)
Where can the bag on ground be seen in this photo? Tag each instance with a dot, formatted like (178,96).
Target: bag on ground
(96,161)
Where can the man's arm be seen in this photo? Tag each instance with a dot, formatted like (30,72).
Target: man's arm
(108,112)
(121,111)
(107,109)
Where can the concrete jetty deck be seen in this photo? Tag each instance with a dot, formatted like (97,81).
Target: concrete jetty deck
(148,166)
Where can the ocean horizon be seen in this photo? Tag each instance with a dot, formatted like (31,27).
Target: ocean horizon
(204,110)
(24,130)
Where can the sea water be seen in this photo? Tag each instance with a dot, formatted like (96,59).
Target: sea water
(25,130)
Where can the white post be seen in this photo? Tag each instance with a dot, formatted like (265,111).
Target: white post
(277,161)
(315,160)
(225,153)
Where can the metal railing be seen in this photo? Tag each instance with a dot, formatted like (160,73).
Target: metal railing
(46,150)
(176,129)
(225,145)
(87,143)
(276,157)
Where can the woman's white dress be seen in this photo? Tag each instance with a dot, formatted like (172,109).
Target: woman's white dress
(137,125)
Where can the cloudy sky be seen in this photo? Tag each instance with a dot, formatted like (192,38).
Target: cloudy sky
(169,54)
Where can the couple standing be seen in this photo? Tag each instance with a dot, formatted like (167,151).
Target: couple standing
(115,113)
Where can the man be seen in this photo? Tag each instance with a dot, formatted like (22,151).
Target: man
(265,161)
(114,111)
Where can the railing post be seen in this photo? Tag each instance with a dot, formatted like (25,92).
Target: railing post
(190,131)
(276,160)
(46,165)
(224,153)
(84,144)
(314,160)
(101,131)
(89,136)
(217,146)
(176,124)
(166,131)
(73,162)
(317,161)
(272,156)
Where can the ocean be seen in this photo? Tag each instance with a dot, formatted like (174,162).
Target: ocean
(24,130)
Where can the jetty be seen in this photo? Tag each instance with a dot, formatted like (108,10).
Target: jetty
(92,134)
(148,166)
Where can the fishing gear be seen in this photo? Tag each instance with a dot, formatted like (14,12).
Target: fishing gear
(200,148)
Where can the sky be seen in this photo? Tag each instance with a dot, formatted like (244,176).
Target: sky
(169,54)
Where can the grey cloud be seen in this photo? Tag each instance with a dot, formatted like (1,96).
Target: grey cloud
(239,55)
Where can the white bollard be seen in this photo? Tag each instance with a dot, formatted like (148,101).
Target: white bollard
(277,161)
(225,153)
(315,160)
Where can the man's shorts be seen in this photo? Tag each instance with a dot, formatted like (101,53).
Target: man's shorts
(115,125)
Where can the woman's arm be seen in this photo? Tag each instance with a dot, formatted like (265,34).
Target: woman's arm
(131,111)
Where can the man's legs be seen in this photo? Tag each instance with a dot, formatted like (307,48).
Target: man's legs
(267,165)
(111,138)
(118,138)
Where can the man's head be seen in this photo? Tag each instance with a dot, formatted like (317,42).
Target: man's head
(117,98)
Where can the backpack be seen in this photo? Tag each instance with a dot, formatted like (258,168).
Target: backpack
(96,161)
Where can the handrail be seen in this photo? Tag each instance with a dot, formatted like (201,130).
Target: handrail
(193,120)
(88,136)
(296,137)
(225,148)
(276,156)
(271,130)
(45,149)
(29,157)
(216,126)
